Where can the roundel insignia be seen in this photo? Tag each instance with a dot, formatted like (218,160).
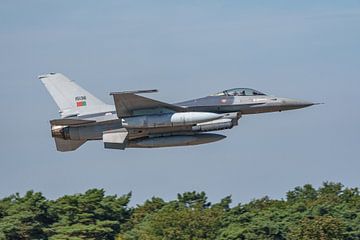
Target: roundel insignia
(223,100)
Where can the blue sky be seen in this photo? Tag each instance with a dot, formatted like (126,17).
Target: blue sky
(186,49)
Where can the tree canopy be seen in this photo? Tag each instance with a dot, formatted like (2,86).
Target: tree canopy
(329,212)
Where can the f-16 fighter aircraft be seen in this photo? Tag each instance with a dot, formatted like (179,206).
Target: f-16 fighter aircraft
(139,122)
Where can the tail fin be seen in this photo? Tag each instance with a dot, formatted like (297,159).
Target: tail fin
(70,97)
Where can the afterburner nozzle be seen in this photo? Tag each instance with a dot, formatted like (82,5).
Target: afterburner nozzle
(60,132)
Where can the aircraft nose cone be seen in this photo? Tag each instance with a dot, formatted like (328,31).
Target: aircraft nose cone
(295,103)
(301,103)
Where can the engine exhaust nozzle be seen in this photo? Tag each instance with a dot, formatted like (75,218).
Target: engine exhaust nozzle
(60,132)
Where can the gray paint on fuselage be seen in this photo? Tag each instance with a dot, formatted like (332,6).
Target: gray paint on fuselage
(243,104)
(216,104)
(224,104)
(209,101)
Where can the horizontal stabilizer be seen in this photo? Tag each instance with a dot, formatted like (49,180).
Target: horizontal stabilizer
(68,145)
(127,104)
(70,122)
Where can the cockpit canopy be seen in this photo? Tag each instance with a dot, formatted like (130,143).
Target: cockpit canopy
(240,92)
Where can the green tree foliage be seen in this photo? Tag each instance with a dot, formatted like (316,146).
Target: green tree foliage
(88,216)
(330,212)
(24,217)
(318,227)
(142,211)
(188,217)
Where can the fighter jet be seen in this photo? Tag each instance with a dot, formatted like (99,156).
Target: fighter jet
(135,121)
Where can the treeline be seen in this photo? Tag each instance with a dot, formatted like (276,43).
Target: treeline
(329,212)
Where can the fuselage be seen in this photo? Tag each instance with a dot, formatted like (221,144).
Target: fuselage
(152,124)
(136,121)
(244,101)
(228,108)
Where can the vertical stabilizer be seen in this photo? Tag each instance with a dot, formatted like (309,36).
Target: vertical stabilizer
(70,97)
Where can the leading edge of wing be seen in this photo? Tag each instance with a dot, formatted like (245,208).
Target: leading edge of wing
(128,103)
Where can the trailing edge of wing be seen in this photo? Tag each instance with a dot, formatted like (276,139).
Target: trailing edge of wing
(127,103)
(70,122)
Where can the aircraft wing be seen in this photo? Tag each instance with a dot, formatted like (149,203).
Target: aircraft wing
(129,104)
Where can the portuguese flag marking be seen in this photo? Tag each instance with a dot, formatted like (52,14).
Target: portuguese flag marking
(81,103)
